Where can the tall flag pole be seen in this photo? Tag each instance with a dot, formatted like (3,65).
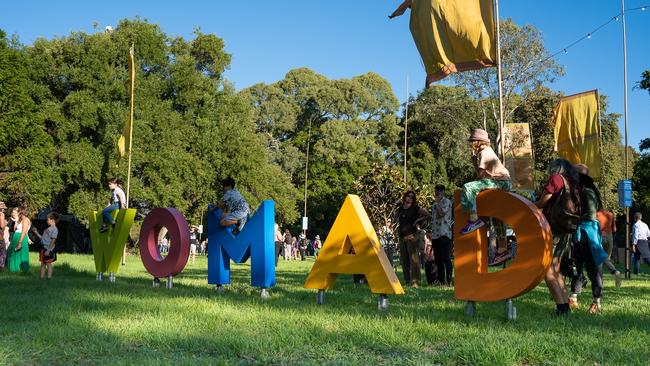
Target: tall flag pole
(406,126)
(499,81)
(131,108)
(304,216)
(627,169)
(125,142)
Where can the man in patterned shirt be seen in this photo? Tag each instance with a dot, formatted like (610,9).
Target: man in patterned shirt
(441,235)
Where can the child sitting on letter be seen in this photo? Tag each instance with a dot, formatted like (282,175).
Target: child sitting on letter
(491,175)
(118,201)
(234,205)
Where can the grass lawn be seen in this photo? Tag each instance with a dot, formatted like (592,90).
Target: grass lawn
(73,319)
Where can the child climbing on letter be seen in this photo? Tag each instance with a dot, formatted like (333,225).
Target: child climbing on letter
(234,205)
(118,201)
(491,175)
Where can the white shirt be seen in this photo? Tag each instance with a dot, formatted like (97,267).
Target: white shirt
(640,231)
(441,224)
(119,197)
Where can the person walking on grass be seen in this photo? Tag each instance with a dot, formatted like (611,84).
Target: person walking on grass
(18,251)
(279,243)
(118,202)
(491,174)
(608,228)
(302,246)
(47,252)
(288,241)
(588,250)
(640,237)
(317,245)
(194,241)
(294,248)
(561,187)
(441,236)
(409,216)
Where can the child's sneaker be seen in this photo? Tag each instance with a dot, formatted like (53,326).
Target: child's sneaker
(103,229)
(500,258)
(472,226)
(595,308)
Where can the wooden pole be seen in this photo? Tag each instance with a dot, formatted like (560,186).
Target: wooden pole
(627,169)
(502,150)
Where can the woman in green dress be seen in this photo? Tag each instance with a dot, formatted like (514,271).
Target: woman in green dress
(18,252)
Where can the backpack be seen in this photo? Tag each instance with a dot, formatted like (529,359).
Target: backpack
(563,210)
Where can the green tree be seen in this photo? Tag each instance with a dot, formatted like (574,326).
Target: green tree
(381,189)
(537,111)
(641,179)
(440,120)
(191,129)
(644,83)
(349,124)
(525,68)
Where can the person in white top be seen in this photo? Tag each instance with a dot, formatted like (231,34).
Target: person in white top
(640,249)
(118,201)
(441,235)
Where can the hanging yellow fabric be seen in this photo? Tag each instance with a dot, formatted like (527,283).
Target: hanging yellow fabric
(519,152)
(124,142)
(577,130)
(453,35)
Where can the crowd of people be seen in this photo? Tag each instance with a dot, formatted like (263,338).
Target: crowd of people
(16,235)
(291,247)
(582,228)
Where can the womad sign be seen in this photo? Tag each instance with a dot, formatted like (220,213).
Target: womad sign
(352,247)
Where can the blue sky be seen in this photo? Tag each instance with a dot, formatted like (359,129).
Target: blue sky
(341,39)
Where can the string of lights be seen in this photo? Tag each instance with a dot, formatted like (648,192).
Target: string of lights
(615,18)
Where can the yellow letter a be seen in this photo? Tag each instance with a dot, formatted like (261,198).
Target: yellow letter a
(353,232)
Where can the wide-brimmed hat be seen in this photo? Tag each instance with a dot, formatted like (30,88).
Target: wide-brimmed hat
(317,236)
(2,205)
(479,135)
(302,236)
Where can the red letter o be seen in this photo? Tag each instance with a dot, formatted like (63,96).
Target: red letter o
(179,250)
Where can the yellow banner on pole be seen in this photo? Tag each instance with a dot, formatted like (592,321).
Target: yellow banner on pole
(577,130)
(519,152)
(453,35)
(124,142)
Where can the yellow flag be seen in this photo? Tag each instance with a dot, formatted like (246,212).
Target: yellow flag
(577,130)
(519,152)
(124,143)
(453,35)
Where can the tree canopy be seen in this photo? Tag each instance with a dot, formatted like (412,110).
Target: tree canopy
(65,100)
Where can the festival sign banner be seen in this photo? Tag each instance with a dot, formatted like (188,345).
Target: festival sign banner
(577,130)
(519,155)
(454,35)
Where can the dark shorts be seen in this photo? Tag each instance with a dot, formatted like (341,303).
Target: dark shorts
(45,259)
(561,244)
